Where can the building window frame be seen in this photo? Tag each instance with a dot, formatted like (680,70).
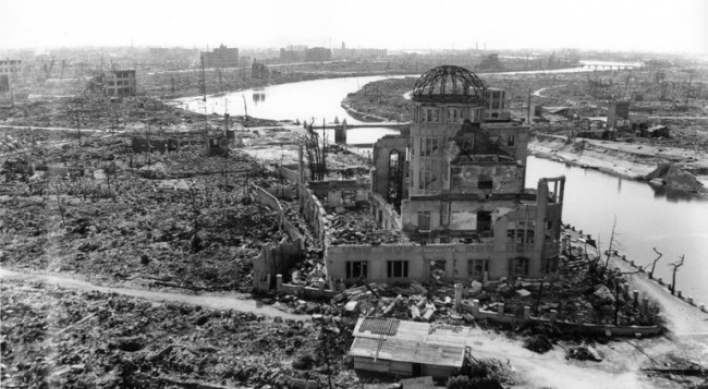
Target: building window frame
(397,269)
(357,269)
(477,267)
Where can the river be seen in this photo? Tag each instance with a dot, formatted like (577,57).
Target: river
(646,217)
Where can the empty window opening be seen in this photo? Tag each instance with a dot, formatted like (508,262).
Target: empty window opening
(438,268)
(485,182)
(397,269)
(549,265)
(519,267)
(477,267)
(424,221)
(484,221)
(357,269)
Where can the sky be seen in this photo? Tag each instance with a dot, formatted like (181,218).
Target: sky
(621,25)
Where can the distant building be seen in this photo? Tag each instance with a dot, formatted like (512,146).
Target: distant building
(11,67)
(222,57)
(496,109)
(4,83)
(293,54)
(618,114)
(345,53)
(318,54)
(119,83)
(259,70)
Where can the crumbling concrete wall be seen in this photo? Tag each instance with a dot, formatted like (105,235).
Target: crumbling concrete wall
(506,178)
(455,257)
(382,153)
(579,326)
(384,213)
(274,259)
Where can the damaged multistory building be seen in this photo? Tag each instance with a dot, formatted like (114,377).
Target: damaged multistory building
(447,196)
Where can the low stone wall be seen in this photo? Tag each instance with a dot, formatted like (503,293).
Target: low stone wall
(597,329)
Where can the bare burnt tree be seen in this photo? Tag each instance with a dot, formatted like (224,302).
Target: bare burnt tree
(676,265)
(653,264)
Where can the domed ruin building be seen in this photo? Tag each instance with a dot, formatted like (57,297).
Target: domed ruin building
(451,188)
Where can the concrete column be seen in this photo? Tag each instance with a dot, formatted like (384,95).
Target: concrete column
(626,289)
(458,297)
(278,281)
(635,298)
(645,305)
(475,307)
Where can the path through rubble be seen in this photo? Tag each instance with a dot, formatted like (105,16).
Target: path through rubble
(222,301)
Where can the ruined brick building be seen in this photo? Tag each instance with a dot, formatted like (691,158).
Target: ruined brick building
(452,188)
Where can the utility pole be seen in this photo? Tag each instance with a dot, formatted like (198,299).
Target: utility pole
(206,116)
(528,110)
(245,109)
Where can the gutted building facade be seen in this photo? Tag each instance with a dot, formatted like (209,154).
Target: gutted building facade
(120,83)
(452,187)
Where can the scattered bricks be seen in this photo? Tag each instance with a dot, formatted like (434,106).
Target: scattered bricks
(458,296)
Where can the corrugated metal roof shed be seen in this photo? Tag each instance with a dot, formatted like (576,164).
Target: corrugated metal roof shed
(386,339)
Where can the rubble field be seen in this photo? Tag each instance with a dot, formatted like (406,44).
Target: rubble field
(178,219)
(52,337)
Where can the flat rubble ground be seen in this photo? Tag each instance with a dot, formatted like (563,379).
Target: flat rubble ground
(52,337)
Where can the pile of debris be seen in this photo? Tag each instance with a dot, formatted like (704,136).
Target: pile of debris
(358,226)
(57,338)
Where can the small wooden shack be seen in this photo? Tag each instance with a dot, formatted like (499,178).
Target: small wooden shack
(407,348)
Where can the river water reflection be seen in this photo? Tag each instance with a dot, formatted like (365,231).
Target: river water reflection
(646,217)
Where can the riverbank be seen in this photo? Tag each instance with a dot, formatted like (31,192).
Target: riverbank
(636,162)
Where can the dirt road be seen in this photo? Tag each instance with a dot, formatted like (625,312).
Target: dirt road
(223,301)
